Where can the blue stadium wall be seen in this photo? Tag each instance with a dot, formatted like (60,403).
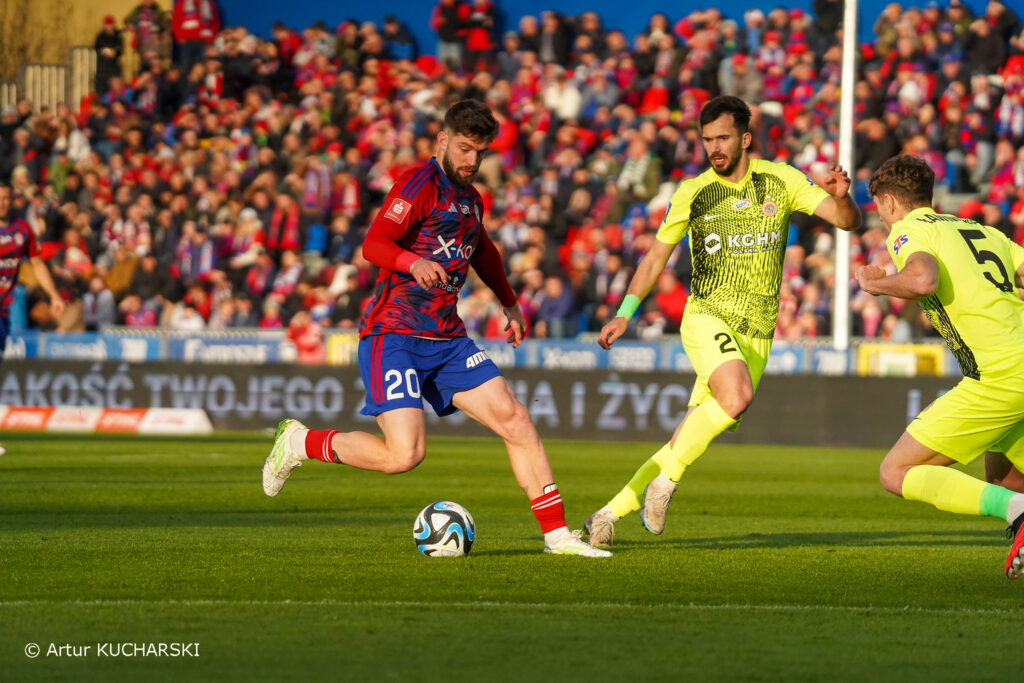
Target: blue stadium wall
(257,15)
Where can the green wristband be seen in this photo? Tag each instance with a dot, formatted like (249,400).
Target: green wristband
(630,303)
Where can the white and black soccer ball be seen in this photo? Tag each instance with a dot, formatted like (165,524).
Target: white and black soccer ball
(444,529)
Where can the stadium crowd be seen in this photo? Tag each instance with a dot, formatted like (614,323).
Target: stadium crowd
(232,185)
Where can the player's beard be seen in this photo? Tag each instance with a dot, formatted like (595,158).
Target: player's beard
(730,166)
(453,174)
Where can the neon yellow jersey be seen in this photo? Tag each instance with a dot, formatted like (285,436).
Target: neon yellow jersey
(738,233)
(976,308)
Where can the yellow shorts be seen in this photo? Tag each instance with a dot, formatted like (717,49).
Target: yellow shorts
(975,416)
(709,342)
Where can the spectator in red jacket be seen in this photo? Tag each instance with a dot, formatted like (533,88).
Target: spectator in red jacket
(479,22)
(195,24)
(308,338)
(447,19)
(287,41)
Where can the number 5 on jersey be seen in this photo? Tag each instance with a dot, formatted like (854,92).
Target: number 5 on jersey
(983,256)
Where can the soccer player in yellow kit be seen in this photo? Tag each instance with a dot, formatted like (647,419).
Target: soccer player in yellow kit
(737,214)
(965,276)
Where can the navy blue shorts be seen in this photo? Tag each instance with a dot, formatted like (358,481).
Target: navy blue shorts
(400,371)
(5,330)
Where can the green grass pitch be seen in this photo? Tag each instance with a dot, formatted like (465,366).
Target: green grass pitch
(778,564)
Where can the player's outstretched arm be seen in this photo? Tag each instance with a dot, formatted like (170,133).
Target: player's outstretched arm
(839,209)
(918,279)
(516,325)
(647,274)
(487,263)
(42,274)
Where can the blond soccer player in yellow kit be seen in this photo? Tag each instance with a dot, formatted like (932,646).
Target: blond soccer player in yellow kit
(965,276)
(737,215)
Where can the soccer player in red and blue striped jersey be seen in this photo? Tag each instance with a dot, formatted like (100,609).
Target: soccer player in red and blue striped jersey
(413,345)
(18,244)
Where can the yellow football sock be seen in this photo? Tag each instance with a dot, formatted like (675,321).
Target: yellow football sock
(700,428)
(628,499)
(953,491)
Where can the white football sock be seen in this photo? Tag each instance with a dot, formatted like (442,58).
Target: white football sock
(556,535)
(298,441)
(1015,509)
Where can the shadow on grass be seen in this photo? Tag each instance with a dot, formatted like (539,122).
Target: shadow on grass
(257,436)
(509,552)
(93,518)
(168,515)
(850,539)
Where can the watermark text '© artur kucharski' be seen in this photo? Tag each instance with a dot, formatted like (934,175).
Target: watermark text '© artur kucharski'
(33,650)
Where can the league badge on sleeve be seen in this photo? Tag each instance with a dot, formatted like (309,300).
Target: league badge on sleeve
(398,210)
(899,242)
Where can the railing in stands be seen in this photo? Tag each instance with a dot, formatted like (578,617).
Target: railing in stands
(81,71)
(48,84)
(44,84)
(8,93)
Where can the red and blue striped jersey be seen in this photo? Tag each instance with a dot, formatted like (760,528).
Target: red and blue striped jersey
(424,216)
(17,244)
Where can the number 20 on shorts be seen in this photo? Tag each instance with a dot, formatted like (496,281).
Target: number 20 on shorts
(393,379)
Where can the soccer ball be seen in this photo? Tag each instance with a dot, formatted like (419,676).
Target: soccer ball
(444,529)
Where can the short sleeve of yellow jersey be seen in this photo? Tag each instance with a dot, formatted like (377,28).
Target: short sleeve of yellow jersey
(676,222)
(1017,254)
(908,238)
(804,195)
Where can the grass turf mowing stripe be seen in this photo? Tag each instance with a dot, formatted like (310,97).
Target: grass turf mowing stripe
(520,605)
(559,643)
(817,574)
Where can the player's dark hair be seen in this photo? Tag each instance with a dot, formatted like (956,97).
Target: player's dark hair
(726,104)
(471,118)
(908,178)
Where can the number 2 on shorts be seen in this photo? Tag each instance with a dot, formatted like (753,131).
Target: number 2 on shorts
(727,345)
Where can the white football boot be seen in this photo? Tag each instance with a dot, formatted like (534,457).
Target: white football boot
(283,458)
(657,496)
(565,542)
(600,528)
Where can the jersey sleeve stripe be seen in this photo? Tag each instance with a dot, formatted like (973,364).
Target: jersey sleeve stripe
(421,181)
(415,182)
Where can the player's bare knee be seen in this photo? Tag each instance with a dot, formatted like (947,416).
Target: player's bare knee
(404,460)
(514,422)
(737,402)
(891,477)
